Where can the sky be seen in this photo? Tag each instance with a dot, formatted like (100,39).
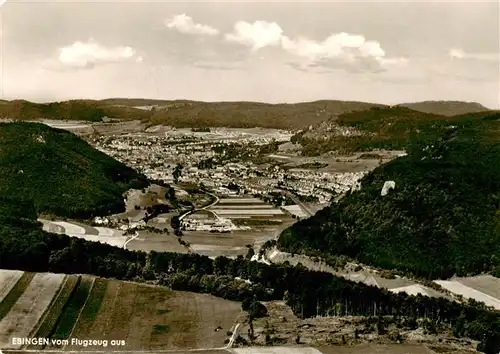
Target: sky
(385,52)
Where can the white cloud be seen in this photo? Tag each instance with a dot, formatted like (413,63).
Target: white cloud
(185,24)
(89,54)
(257,35)
(346,50)
(342,49)
(457,53)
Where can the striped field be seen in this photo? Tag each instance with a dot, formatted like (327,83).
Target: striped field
(89,233)
(469,293)
(58,306)
(7,281)
(49,322)
(29,307)
(74,307)
(244,207)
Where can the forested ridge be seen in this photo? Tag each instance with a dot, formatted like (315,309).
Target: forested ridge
(391,128)
(195,114)
(24,246)
(60,173)
(441,219)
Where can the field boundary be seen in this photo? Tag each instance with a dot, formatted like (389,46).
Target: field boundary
(7,286)
(15,293)
(47,310)
(52,307)
(81,309)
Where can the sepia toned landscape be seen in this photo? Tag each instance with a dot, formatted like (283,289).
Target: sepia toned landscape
(249,177)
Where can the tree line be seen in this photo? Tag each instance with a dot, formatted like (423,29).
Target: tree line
(24,246)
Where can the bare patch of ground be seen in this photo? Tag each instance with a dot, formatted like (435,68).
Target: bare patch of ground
(149,241)
(337,334)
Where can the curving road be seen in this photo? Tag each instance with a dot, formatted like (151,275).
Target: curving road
(217,199)
(130,239)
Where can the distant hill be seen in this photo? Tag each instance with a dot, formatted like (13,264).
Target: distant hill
(442,218)
(186,114)
(252,114)
(85,110)
(195,114)
(61,173)
(446,108)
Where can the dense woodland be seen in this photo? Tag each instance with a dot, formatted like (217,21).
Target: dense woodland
(23,245)
(61,173)
(391,128)
(441,219)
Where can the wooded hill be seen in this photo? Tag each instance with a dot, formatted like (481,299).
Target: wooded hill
(441,219)
(193,114)
(446,108)
(391,128)
(60,173)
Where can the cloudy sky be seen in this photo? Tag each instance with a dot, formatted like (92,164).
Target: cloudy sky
(386,52)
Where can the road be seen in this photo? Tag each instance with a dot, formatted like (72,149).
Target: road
(217,199)
(296,200)
(233,336)
(136,234)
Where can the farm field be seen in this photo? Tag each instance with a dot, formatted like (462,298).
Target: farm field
(154,318)
(486,284)
(295,210)
(263,220)
(89,233)
(229,244)
(73,308)
(8,280)
(236,207)
(149,241)
(85,307)
(29,308)
(381,349)
(355,349)
(49,321)
(335,164)
(457,287)
(276,350)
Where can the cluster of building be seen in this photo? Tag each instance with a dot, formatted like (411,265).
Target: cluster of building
(157,156)
(202,222)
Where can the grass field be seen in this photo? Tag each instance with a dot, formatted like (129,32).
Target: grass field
(149,241)
(73,308)
(354,349)
(148,317)
(229,244)
(276,350)
(379,349)
(469,293)
(486,284)
(89,233)
(8,279)
(16,291)
(29,307)
(49,321)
